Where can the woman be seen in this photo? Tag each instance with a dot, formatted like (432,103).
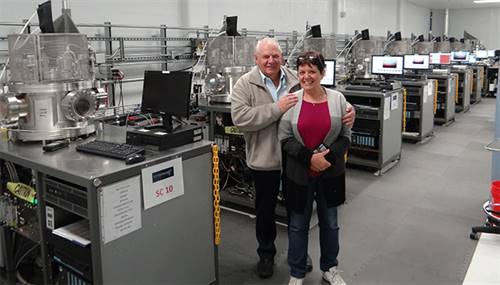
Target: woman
(314,143)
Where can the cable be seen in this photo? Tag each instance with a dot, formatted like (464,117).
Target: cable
(296,46)
(25,254)
(21,279)
(389,40)
(14,46)
(351,42)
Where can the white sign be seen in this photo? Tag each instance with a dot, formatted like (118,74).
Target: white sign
(394,101)
(425,94)
(387,108)
(120,208)
(162,182)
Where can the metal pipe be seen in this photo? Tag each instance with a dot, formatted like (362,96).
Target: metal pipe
(446,21)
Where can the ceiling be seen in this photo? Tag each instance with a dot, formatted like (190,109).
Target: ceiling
(451,4)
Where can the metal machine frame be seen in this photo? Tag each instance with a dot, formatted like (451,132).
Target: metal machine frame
(477,83)
(387,133)
(464,89)
(446,92)
(422,93)
(170,236)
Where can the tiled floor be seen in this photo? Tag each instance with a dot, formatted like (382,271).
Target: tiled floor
(409,226)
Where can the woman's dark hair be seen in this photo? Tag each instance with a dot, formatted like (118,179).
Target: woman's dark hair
(312,58)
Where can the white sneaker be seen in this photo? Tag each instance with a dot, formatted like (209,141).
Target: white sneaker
(295,281)
(333,276)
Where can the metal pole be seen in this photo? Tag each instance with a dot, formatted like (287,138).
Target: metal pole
(164,49)
(109,52)
(446,21)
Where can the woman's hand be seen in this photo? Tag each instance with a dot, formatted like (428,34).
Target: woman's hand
(319,162)
(350,116)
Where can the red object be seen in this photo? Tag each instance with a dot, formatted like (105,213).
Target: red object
(495,195)
(313,125)
(444,59)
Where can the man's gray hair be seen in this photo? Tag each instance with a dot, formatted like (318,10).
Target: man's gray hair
(267,41)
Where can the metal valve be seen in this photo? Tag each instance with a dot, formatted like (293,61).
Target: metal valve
(12,108)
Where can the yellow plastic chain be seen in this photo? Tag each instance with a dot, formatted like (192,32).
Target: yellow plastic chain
(215,172)
(436,96)
(404,109)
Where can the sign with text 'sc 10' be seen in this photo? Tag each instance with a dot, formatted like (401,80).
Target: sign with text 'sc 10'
(162,182)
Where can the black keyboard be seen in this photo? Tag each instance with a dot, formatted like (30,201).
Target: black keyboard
(110,149)
(362,88)
(368,87)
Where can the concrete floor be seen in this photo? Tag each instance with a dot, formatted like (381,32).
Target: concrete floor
(409,226)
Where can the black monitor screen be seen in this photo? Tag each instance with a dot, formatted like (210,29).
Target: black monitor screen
(166,93)
(316,31)
(231,26)
(329,78)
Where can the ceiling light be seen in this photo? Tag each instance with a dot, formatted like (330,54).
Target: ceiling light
(486,1)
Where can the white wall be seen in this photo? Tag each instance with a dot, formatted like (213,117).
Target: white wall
(281,15)
(438,22)
(414,19)
(481,23)
(380,16)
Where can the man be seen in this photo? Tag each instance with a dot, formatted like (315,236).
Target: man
(259,99)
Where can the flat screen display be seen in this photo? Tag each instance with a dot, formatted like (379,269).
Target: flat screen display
(491,53)
(481,53)
(439,58)
(460,56)
(166,92)
(387,65)
(329,78)
(416,61)
(472,58)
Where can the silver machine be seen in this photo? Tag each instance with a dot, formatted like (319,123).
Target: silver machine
(361,56)
(401,47)
(326,46)
(456,46)
(423,47)
(419,117)
(51,88)
(443,46)
(377,132)
(228,58)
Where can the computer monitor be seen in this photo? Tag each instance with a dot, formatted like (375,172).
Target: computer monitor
(472,58)
(460,56)
(491,53)
(387,65)
(365,35)
(44,11)
(481,54)
(416,61)
(329,78)
(231,26)
(167,94)
(439,58)
(316,31)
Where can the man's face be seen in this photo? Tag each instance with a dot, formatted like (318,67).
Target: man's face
(269,59)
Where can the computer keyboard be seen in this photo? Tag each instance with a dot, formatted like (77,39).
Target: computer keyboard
(377,87)
(110,149)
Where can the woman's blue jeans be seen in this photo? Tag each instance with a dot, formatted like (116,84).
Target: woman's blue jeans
(298,233)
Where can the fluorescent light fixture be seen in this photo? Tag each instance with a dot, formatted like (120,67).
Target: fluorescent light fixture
(486,1)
